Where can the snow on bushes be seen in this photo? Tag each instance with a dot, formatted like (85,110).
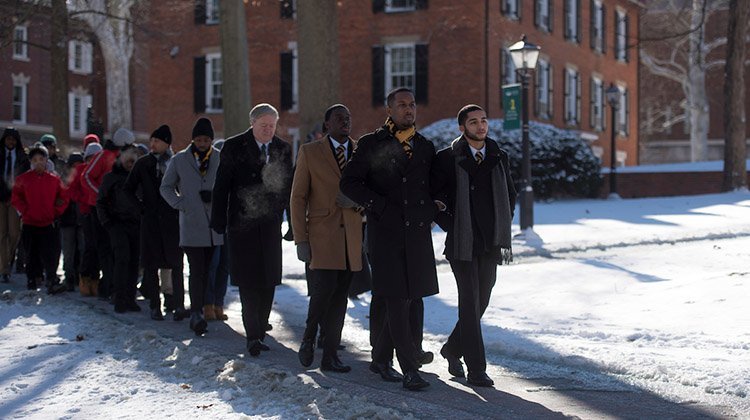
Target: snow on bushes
(562,164)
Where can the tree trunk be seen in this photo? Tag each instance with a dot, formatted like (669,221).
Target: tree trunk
(117,66)
(696,90)
(234,66)
(319,66)
(735,168)
(59,70)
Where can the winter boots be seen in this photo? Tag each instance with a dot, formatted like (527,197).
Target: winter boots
(88,286)
(220,315)
(198,324)
(208,313)
(54,286)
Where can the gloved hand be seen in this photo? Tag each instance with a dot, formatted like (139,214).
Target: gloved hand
(345,202)
(304,253)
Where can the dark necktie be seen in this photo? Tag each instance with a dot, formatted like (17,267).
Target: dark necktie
(341,157)
(8,166)
(479,157)
(263,154)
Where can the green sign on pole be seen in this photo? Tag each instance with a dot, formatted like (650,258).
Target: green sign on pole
(512,106)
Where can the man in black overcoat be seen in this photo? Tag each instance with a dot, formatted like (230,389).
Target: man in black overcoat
(472,179)
(389,175)
(160,227)
(249,197)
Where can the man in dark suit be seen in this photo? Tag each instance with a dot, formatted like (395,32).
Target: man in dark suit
(471,179)
(389,176)
(249,197)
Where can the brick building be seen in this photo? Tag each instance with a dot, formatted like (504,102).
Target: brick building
(452,53)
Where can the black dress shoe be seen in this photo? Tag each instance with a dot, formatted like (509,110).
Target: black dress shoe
(455,367)
(180,314)
(264,347)
(268,327)
(414,382)
(425,357)
(253,347)
(479,379)
(133,306)
(6,278)
(386,371)
(198,324)
(306,353)
(333,364)
(156,314)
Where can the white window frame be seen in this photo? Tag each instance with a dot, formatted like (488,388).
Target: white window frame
(212,12)
(622,112)
(596,97)
(620,40)
(570,26)
(84,63)
(543,15)
(20,46)
(512,9)
(571,111)
(211,60)
(22,104)
(544,87)
(396,6)
(598,26)
(390,74)
(79,101)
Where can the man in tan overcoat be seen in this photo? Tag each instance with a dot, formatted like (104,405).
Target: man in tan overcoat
(328,234)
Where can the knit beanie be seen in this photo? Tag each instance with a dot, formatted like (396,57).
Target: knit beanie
(163,133)
(12,132)
(90,138)
(123,137)
(203,127)
(74,158)
(92,149)
(48,139)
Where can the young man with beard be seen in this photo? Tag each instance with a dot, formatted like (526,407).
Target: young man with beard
(250,195)
(160,229)
(472,179)
(328,233)
(186,186)
(389,176)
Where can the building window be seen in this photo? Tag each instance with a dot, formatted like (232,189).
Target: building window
(399,66)
(80,57)
(572,20)
(213,83)
(20,46)
(290,79)
(511,8)
(623,112)
(19,102)
(393,6)
(621,36)
(544,89)
(598,22)
(288,9)
(597,104)
(212,12)
(78,103)
(572,99)
(508,73)
(543,15)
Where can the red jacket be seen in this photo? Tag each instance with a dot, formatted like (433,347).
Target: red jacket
(93,174)
(85,197)
(40,198)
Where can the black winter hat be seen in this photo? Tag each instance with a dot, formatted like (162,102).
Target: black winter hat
(203,127)
(163,133)
(74,158)
(12,132)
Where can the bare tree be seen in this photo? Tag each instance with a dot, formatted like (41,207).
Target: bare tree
(735,168)
(234,66)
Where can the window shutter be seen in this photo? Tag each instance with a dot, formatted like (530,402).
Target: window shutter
(578,21)
(551,98)
(421,4)
(627,30)
(592,24)
(604,98)
(627,112)
(287,9)
(199,84)
(519,7)
(378,6)
(378,76)
(71,55)
(287,100)
(592,102)
(89,65)
(604,29)
(504,7)
(566,101)
(617,31)
(566,18)
(421,84)
(200,12)
(550,9)
(537,16)
(578,98)
(502,75)
(537,90)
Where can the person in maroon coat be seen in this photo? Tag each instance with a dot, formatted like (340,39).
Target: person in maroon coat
(40,199)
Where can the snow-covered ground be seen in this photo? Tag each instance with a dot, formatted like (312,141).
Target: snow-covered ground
(646,294)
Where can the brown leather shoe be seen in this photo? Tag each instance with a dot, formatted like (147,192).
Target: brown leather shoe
(208,313)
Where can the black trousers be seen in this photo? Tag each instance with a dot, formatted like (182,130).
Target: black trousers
(379,321)
(40,245)
(328,290)
(199,259)
(475,280)
(256,308)
(125,242)
(104,255)
(396,334)
(72,250)
(89,258)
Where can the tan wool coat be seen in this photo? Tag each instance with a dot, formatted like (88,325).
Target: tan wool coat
(334,233)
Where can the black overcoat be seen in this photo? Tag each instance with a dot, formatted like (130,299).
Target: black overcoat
(395,192)
(21,165)
(160,225)
(249,198)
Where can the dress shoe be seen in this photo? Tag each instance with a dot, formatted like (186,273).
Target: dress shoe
(180,314)
(333,364)
(269,327)
(306,353)
(425,357)
(156,314)
(455,367)
(54,288)
(6,278)
(479,379)
(386,371)
(133,306)
(198,324)
(121,307)
(253,347)
(169,303)
(414,382)
(264,347)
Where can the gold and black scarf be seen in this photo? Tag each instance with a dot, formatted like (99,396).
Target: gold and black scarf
(202,158)
(403,136)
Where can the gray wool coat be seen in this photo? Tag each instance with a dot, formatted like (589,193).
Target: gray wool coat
(180,187)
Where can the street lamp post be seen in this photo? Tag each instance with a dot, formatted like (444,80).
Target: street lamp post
(613,98)
(525,55)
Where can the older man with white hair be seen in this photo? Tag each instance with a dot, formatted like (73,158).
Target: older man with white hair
(249,197)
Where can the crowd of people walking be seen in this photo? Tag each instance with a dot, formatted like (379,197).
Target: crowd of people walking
(360,212)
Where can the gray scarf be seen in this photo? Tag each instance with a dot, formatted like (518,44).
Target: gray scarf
(463,237)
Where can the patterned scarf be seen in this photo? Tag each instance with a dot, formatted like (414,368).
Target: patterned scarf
(403,136)
(202,158)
